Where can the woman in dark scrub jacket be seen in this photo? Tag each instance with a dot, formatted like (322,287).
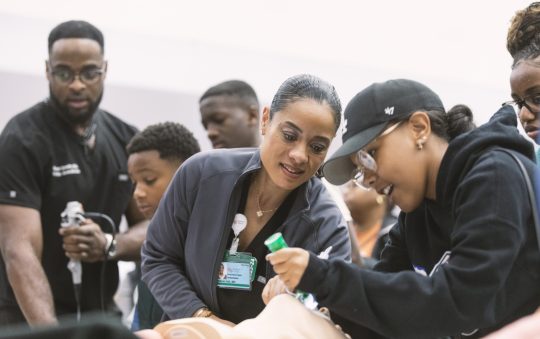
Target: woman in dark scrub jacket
(223,204)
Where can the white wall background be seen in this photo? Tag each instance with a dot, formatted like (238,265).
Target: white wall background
(164,53)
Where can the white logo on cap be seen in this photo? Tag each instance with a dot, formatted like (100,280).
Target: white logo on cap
(389,110)
(344,129)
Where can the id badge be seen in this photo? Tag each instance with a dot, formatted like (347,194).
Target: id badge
(237,271)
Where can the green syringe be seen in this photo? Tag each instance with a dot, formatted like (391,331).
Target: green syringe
(276,242)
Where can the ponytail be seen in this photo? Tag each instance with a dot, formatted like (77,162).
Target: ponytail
(458,120)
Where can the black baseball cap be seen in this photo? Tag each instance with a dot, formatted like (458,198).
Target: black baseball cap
(369,113)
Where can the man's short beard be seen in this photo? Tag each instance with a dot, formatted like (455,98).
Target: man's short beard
(79,118)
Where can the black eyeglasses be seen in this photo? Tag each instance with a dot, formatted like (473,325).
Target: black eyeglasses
(531,102)
(88,76)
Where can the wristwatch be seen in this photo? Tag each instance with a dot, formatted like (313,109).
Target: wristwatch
(110,246)
(202,313)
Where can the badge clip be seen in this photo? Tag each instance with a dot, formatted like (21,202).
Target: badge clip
(239,224)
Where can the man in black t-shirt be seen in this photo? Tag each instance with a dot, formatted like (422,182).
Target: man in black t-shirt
(60,150)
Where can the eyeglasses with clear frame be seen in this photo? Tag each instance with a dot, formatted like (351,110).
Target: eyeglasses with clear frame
(365,162)
(531,102)
(65,76)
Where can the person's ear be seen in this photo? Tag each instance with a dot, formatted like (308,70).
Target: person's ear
(48,71)
(253,115)
(265,121)
(105,67)
(420,127)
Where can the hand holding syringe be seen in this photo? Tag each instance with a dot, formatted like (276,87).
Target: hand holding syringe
(275,243)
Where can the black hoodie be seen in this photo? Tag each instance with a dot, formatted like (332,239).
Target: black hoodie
(467,261)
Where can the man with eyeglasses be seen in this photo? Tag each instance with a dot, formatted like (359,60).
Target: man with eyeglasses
(60,150)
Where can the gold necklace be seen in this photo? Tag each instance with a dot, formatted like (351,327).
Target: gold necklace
(260,212)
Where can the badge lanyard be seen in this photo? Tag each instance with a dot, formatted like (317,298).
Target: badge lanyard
(239,224)
(237,270)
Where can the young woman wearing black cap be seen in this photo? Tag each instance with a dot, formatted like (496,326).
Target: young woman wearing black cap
(463,259)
